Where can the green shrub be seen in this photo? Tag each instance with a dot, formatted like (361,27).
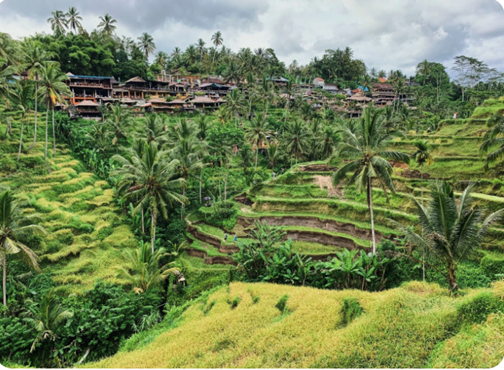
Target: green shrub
(475,309)
(53,246)
(282,302)
(32,162)
(66,238)
(351,310)
(104,232)
(7,164)
(492,265)
(234,303)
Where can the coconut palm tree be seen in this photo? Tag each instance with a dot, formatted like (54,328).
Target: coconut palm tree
(153,129)
(422,156)
(142,269)
(217,39)
(256,133)
(49,319)
(493,138)
(201,48)
(232,73)
(161,59)
(146,44)
(21,100)
(9,49)
(107,25)
(118,121)
(151,180)
(234,107)
(451,231)
(15,225)
(265,93)
(52,88)
(73,19)
(365,145)
(188,155)
(58,22)
(34,56)
(296,138)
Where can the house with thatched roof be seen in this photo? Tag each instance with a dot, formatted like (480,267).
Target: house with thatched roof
(88,108)
(203,102)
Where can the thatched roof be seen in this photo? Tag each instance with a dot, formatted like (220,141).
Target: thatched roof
(382,86)
(88,103)
(359,98)
(157,100)
(202,100)
(177,101)
(135,79)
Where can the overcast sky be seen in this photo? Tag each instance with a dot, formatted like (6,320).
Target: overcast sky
(386,34)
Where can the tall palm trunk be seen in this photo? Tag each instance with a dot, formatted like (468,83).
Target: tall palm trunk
(53,134)
(452,281)
(9,126)
(257,155)
(421,202)
(225,185)
(143,220)
(46,133)
(200,184)
(35,130)
(370,205)
(183,204)
(153,227)
(4,279)
(21,138)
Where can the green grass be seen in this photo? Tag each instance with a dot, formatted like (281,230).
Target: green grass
(414,326)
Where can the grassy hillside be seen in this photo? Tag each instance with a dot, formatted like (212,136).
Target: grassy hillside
(417,325)
(86,232)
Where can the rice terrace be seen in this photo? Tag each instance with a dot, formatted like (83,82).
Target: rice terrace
(253,184)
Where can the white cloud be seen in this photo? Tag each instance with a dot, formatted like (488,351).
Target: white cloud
(387,34)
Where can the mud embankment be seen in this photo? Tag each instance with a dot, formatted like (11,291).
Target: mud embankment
(313,222)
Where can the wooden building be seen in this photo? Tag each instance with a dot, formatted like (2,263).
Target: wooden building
(88,88)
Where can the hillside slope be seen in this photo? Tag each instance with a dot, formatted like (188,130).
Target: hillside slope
(245,325)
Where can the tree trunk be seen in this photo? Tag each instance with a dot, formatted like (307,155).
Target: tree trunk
(200,184)
(153,228)
(421,202)
(257,155)
(370,205)
(53,134)
(183,204)
(225,186)
(143,220)
(452,281)
(4,280)
(21,139)
(9,126)
(46,133)
(35,130)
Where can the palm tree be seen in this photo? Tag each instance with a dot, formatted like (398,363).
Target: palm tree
(217,40)
(188,154)
(21,99)
(296,138)
(52,88)
(161,59)
(13,226)
(151,180)
(58,22)
(234,107)
(34,57)
(142,270)
(107,25)
(451,231)
(256,132)
(424,69)
(146,44)
(265,93)
(365,145)
(9,49)
(73,19)
(50,319)
(232,73)
(422,156)
(153,129)
(289,88)
(201,48)
(273,154)
(118,121)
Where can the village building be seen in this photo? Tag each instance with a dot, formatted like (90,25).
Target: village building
(331,87)
(318,82)
(88,88)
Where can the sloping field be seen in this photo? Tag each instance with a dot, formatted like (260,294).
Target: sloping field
(86,232)
(263,325)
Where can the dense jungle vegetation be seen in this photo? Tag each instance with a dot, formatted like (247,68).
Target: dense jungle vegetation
(267,233)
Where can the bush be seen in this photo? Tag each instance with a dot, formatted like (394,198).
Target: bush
(351,310)
(7,164)
(492,265)
(282,302)
(475,309)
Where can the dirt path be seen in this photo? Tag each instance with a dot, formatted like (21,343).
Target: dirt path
(325,182)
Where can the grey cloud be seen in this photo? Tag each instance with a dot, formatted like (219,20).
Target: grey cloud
(148,15)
